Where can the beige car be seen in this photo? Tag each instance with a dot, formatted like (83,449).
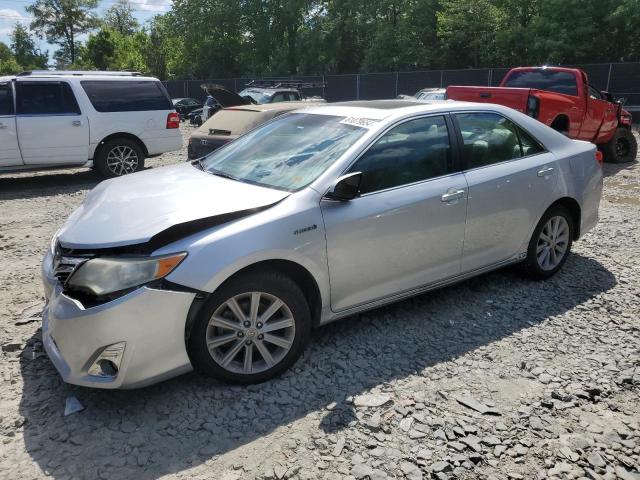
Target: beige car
(229,123)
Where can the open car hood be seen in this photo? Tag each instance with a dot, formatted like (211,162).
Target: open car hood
(158,206)
(226,98)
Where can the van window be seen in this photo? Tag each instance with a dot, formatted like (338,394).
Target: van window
(46,98)
(6,99)
(126,96)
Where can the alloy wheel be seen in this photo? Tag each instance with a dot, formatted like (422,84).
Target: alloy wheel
(553,243)
(250,332)
(122,160)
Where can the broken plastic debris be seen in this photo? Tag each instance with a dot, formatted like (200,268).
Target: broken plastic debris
(72,406)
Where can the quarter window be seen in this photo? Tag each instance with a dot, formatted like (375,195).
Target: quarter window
(413,151)
(46,98)
(126,96)
(6,99)
(491,138)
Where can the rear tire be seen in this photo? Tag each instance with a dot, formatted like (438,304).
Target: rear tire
(550,244)
(117,157)
(251,329)
(622,147)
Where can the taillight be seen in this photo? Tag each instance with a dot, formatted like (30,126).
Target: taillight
(533,106)
(173,120)
(599,157)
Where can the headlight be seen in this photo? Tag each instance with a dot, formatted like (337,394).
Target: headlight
(107,275)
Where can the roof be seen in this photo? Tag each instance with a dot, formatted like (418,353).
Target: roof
(83,75)
(271,89)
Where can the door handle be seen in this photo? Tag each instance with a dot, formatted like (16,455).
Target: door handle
(452,195)
(545,172)
(2,125)
(77,123)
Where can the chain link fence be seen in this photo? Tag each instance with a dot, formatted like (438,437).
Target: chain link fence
(620,79)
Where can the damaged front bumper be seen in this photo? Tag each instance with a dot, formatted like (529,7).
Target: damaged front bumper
(141,334)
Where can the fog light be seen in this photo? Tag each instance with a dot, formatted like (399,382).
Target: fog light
(108,362)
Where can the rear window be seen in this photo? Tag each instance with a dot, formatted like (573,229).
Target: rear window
(235,121)
(126,96)
(559,82)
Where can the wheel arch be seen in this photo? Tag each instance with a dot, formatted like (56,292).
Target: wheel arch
(128,136)
(574,208)
(298,273)
(561,123)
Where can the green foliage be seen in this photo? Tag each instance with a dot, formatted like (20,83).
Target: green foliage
(28,56)
(61,22)
(206,39)
(120,18)
(8,64)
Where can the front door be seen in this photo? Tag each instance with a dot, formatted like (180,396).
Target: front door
(406,229)
(511,178)
(9,151)
(51,128)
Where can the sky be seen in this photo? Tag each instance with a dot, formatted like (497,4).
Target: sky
(13,11)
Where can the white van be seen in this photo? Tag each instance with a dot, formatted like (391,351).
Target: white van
(110,121)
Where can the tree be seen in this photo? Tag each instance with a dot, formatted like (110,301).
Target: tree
(25,51)
(120,18)
(61,22)
(8,63)
(100,49)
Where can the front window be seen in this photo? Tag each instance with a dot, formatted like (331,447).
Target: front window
(288,153)
(255,95)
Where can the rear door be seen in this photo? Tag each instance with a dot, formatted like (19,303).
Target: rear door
(9,151)
(510,178)
(51,128)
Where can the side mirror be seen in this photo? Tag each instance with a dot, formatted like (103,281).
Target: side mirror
(606,95)
(346,187)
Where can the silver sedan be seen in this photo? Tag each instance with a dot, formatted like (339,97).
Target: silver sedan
(225,264)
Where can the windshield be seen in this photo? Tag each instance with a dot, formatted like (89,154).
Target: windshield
(553,81)
(257,96)
(288,153)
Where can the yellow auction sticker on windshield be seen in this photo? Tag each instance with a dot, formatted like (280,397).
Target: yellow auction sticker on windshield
(359,122)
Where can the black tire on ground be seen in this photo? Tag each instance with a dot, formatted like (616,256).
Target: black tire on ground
(531,265)
(270,283)
(622,148)
(106,160)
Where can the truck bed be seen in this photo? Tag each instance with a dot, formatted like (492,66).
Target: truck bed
(515,98)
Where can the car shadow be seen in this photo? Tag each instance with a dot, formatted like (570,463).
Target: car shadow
(611,169)
(46,183)
(184,422)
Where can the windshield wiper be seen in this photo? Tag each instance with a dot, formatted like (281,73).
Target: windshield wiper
(220,173)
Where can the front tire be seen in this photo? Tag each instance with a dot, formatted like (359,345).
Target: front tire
(118,157)
(251,329)
(622,148)
(550,244)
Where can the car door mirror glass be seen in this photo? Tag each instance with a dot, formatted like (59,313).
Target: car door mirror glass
(346,187)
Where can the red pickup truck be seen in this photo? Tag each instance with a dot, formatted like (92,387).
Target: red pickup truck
(563,99)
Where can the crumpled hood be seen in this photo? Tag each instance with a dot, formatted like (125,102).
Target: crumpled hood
(137,208)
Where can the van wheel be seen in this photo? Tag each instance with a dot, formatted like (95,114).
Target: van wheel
(118,157)
(550,244)
(251,329)
(622,148)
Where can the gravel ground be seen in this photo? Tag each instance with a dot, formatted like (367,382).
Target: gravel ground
(495,378)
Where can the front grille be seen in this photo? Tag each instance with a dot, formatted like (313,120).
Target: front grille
(64,264)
